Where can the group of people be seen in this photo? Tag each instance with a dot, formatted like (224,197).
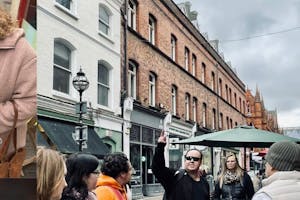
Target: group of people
(233,183)
(80,176)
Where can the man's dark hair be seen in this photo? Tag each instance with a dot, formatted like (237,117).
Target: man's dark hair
(114,164)
(194,150)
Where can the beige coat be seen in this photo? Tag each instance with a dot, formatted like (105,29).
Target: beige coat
(17,82)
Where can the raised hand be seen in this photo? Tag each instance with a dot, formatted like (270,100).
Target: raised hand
(162,138)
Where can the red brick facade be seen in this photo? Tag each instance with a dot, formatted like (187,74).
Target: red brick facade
(156,59)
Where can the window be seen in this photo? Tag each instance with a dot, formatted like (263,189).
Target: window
(195,109)
(240,100)
(132,80)
(174,97)
(68,4)
(214,118)
(132,14)
(230,98)
(213,81)
(62,67)
(103,84)
(231,125)
(221,121)
(152,30)
(187,106)
(227,122)
(186,58)
(152,80)
(244,107)
(104,20)
(235,100)
(226,90)
(173,47)
(220,87)
(204,115)
(248,107)
(203,71)
(194,61)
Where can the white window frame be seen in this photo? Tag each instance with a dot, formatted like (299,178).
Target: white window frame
(204,108)
(194,61)
(104,85)
(194,109)
(173,48)
(73,8)
(63,68)
(174,102)
(107,24)
(132,14)
(152,85)
(187,107)
(186,58)
(132,80)
(221,121)
(151,27)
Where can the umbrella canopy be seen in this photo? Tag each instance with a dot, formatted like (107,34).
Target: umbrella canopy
(240,136)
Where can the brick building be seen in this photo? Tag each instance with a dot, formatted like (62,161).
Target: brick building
(257,115)
(176,81)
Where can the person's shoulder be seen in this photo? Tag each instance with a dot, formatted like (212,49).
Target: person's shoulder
(261,196)
(104,192)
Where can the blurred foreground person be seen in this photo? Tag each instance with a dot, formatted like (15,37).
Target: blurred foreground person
(116,172)
(17,92)
(283,173)
(233,182)
(81,177)
(187,184)
(51,171)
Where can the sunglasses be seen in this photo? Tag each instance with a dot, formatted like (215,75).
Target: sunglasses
(192,158)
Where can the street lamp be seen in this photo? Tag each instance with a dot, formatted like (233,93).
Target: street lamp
(80,83)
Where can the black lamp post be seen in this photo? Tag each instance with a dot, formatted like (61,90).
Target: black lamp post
(80,83)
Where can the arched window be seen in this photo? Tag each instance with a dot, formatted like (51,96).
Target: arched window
(173,47)
(174,99)
(187,106)
(204,114)
(152,88)
(195,102)
(132,14)
(152,29)
(103,84)
(194,64)
(186,58)
(62,67)
(203,73)
(132,70)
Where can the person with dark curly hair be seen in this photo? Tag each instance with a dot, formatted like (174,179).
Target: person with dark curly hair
(82,175)
(116,172)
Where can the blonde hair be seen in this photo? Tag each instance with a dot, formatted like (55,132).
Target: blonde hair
(50,172)
(7,24)
(238,170)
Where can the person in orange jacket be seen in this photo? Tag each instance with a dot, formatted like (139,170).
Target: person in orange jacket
(116,172)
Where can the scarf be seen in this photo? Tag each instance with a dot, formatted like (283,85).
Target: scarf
(230,177)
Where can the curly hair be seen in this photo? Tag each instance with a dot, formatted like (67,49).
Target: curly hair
(7,24)
(114,164)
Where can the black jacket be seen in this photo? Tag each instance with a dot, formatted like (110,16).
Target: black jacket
(236,190)
(181,189)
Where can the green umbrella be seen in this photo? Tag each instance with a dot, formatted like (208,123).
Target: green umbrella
(240,136)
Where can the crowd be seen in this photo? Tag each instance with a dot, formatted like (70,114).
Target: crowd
(82,177)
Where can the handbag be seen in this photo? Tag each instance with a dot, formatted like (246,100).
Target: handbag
(11,167)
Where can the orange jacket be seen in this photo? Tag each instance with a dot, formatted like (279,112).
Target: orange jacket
(109,189)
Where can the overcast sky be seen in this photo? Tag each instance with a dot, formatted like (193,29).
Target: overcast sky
(271,62)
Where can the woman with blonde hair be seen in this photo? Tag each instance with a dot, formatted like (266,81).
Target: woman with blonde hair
(233,182)
(17,85)
(51,171)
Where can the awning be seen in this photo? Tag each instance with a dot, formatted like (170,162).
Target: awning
(60,134)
